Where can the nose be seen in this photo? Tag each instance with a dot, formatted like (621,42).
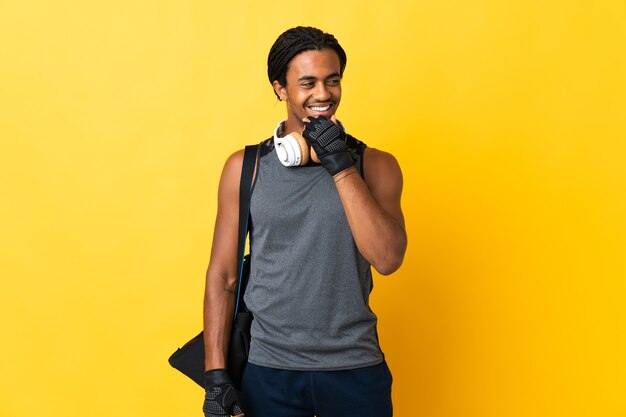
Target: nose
(321,92)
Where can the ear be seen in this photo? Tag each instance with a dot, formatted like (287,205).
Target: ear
(280,91)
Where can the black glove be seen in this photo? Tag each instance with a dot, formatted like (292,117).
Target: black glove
(221,399)
(329,143)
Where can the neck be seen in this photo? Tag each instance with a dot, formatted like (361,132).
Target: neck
(293,124)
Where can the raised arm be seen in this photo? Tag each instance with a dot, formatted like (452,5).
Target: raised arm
(372,205)
(373,209)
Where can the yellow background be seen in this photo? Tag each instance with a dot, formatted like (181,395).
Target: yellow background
(507,118)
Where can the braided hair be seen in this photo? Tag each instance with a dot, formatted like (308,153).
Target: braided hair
(294,41)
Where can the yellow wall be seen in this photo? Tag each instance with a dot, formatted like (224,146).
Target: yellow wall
(506,116)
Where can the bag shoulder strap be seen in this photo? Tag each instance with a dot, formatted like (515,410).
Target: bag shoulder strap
(250,158)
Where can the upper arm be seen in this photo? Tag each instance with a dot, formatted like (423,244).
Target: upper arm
(225,236)
(384,180)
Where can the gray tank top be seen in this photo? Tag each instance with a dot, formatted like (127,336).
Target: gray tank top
(309,286)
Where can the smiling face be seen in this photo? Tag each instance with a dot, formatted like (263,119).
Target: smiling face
(313,87)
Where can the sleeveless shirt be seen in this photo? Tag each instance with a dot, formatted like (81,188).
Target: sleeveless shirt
(309,286)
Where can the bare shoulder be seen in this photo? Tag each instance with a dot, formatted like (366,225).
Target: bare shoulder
(383,177)
(232,166)
(381,167)
(234,162)
(231,175)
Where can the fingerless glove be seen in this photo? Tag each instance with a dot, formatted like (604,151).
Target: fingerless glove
(221,399)
(329,143)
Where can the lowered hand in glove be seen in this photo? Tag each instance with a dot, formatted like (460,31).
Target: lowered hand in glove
(222,399)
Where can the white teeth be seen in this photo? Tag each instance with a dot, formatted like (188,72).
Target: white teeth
(321,108)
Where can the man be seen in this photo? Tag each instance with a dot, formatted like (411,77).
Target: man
(316,229)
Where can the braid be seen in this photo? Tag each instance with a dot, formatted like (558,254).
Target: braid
(294,41)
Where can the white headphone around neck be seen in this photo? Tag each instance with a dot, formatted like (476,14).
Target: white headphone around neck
(292,149)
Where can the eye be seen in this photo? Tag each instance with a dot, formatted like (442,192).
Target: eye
(333,81)
(307,84)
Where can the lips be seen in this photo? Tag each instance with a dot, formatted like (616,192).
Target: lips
(320,108)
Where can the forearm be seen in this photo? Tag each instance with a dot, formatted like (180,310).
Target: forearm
(380,238)
(219,307)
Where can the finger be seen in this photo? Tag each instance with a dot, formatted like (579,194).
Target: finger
(334,119)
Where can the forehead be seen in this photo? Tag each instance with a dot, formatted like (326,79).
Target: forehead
(319,64)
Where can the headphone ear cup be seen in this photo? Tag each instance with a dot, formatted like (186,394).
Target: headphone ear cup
(302,145)
(307,148)
(292,150)
(314,157)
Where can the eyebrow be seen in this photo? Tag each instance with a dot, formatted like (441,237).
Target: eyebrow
(312,78)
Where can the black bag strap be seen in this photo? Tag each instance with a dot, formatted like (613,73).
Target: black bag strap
(250,158)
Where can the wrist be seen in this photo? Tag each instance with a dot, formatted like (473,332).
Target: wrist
(215,362)
(217,376)
(337,162)
(351,170)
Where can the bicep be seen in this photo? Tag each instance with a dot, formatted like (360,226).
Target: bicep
(383,177)
(224,248)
